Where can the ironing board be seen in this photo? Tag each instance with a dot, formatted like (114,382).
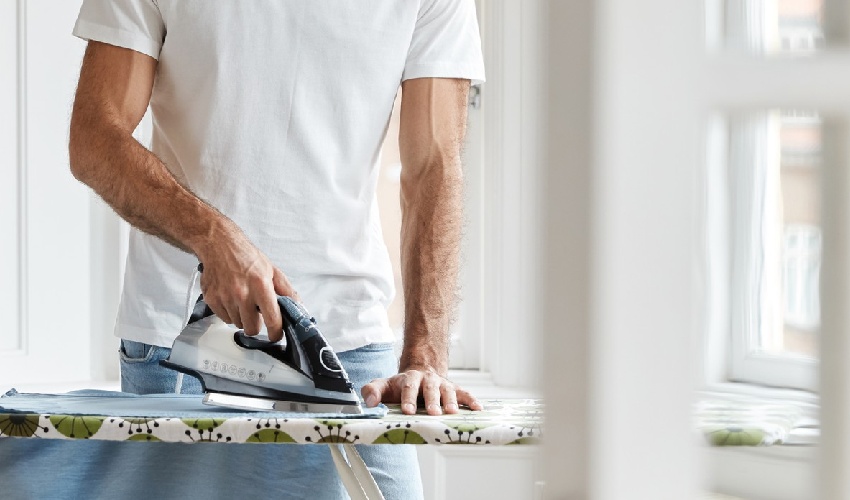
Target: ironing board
(502,422)
(722,422)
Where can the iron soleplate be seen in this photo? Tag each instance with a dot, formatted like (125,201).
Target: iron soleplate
(260,404)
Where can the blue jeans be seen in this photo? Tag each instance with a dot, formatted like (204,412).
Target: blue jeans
(40,469)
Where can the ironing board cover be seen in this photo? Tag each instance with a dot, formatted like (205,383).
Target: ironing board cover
(181,418)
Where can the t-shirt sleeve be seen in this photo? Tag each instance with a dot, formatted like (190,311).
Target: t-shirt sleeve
(446,42)
(132,24)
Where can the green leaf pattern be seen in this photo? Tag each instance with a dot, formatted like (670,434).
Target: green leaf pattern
(502,422)
(18,425)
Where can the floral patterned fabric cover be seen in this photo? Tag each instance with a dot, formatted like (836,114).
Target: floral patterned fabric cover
(501,422)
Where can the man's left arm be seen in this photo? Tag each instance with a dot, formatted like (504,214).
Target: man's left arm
(433,124)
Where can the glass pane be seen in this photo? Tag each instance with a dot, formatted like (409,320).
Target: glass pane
(772,230)
(799,25)
(800,178)
(791,27)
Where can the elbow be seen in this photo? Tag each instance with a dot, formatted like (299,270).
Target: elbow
(75,161)
(79,155)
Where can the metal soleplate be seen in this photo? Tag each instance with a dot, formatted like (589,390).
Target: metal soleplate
(260,404)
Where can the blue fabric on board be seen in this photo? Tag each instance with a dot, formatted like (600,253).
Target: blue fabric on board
(122,404)
(53,469)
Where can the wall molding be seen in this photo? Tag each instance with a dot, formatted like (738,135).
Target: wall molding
(22,329)
(19,181)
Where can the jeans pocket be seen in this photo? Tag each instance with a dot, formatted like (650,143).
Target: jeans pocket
(141,372)
(138,352)
(134,352)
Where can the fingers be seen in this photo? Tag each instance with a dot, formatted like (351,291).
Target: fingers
(250,317)
(410,382)
(375,391)
(431,392)
(465,398)
(282,286)
(271,315)
(218,309)
(440,395)
(247,298)
(448,393)
(233,313)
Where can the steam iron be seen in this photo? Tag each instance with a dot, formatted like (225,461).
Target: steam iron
(251,373)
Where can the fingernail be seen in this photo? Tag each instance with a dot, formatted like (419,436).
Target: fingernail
(371,401)
(435,408)
(451,406)
(408,407)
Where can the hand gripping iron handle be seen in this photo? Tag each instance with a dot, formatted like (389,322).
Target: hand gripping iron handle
(299,330)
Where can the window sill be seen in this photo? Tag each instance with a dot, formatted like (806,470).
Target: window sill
(775,472)
(780,472)
(807,432)
(482,385)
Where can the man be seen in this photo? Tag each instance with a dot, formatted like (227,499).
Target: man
(268,122)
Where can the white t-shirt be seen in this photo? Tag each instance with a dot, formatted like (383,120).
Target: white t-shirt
(274,112)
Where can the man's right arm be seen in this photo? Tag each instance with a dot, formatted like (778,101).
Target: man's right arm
(113,93)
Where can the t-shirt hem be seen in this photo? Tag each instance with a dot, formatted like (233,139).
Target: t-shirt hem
(144,335)
(472,72)
(120,38)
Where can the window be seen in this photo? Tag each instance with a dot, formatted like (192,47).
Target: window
(766,26)
(799,25)
(766,215)
(763,210)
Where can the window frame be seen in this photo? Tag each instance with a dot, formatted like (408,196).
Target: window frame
(502,274)
(734,351)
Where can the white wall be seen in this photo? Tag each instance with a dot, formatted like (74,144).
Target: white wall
(45,280)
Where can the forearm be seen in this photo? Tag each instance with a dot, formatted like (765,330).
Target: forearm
(432,203)
(138,186)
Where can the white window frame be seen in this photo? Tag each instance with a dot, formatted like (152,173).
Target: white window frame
(735,251)
(499,336)
(740,306)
